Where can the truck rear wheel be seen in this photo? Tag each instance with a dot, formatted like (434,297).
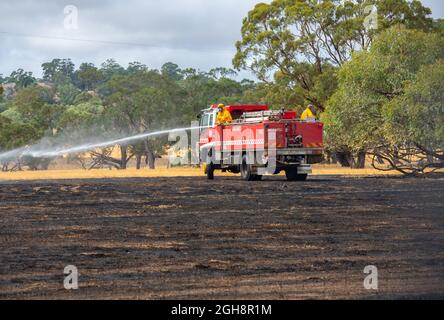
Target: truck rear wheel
(246,170)
(292,175)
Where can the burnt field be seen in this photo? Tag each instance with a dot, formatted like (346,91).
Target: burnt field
(188,238)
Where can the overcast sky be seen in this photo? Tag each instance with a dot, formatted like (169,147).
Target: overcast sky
(192,33)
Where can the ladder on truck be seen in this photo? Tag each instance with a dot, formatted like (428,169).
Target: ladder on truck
(259,116)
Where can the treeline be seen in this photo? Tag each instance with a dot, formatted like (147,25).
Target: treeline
(374,69)
(109,100)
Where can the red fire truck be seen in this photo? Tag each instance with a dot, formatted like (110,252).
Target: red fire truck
(259,141)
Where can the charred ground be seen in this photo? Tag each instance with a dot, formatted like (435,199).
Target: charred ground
(160,238)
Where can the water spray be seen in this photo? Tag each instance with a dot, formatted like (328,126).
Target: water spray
(36,152)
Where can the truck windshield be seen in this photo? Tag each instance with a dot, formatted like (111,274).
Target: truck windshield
(204,120)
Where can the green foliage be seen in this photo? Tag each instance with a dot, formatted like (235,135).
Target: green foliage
(386,95)
(439,26)
(88,76)
(276,95)
(58,71)
(412,14)
(418,115)
(83,97)
(136,67)
(84,119)
(14,134)
(140,101)
(302,41)
(111,68)
(13,114)
(218,73)
(21,78)
(67,93)
(172,71)
(83,114)
(36,106)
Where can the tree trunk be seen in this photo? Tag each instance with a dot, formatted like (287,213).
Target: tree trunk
(150,156)
(138,161)
(334,157)
(344,158)
(430,159)
(151,160)
(360,161)
(349,160)
(123,157)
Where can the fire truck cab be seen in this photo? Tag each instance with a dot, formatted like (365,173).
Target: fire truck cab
(259,141)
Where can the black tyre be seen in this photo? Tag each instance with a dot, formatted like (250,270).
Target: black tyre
(246,170)
(292,175)
(210,171)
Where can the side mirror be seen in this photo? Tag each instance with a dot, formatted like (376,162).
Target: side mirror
(199,116)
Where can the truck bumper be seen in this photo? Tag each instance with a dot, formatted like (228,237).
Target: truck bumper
(299,151)
(305,169)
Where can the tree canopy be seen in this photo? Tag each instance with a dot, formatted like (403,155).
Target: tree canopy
(300,41)
(375,107)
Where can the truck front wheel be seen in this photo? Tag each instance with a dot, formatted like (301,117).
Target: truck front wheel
(210,171)
(292,175)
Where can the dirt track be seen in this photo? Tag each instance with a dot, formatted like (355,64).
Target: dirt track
(189,238)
